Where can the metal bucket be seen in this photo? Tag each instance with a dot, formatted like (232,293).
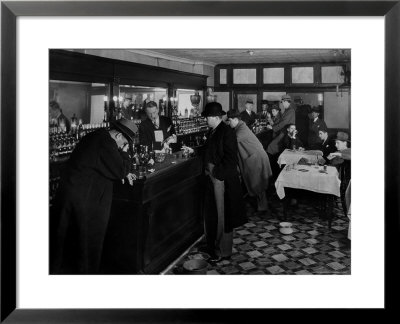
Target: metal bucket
(196,266)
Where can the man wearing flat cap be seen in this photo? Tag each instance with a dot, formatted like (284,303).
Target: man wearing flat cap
(288,116)
(224,198)
(315,124)
(79,219)
(248,115)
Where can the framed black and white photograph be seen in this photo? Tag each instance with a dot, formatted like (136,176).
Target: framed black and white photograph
(181,170)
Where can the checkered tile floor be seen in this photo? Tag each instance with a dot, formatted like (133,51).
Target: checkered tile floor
(259,247)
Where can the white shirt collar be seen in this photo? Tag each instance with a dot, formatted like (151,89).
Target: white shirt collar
(315,119)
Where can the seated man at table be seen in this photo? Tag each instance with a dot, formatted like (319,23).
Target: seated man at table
(291,141)
(327,145)
(343,151)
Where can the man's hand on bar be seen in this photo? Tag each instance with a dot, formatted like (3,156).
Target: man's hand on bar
(131,177)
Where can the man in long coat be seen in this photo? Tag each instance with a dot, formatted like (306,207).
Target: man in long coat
(224,203)
(288,116)
(253,161)
(79,220)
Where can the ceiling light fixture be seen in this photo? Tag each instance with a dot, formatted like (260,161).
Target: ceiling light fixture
(250,53)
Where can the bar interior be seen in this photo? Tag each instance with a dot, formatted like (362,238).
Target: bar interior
(200,161)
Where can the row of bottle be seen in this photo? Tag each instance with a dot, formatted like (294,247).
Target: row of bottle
(61,144)
(184,126)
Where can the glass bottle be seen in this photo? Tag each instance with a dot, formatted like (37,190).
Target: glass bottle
(74,124)
(80,132)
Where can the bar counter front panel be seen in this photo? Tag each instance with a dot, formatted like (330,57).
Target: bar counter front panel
(154,221)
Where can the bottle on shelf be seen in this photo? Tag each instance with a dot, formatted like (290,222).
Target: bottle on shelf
(80,132)
(74,124)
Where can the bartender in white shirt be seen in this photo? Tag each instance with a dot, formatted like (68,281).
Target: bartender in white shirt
(157,132)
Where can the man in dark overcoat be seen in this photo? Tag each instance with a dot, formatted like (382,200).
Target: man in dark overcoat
(248,115)
(224,203)
(80,215)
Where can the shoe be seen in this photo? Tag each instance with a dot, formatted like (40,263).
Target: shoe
(215,259)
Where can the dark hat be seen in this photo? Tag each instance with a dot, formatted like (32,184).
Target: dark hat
(274,106)
(315,109)
(128,96)
(234,113)
(250,101)
(286,97)
(323,129)
(127,127)
(213,109)
(342,136)
(264,102)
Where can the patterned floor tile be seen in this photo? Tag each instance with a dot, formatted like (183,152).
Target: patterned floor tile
(337,254)
(265,235)
(247,265)
(275,269)
(336,266)
(259,247)
(280,257)
(307,261)
(284,247)
(238,240)
(254,254)
(289,238)
(311,241)
(310,250)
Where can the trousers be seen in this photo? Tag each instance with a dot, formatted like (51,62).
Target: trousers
(217,239)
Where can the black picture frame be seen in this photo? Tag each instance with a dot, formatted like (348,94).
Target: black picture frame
(10,10)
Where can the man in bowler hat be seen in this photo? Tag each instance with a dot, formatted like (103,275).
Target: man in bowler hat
(81,211)
(224,198)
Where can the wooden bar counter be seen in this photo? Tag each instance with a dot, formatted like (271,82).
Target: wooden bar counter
(155,220)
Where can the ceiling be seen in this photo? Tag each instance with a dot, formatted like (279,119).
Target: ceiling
(253,55)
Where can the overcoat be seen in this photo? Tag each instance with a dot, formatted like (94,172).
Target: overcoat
(253,160)
(80,215)
(288,117)
(221,150)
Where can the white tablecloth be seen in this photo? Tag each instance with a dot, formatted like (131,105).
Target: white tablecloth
(290,156)
(313,180)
